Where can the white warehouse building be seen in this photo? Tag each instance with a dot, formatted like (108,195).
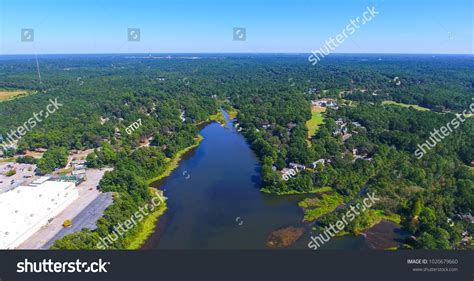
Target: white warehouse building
(25,209)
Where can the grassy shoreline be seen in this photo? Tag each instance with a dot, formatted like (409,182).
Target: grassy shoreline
(174,163)
(232,113)
(147,226)
(218,117)
(376,217)
(314,208)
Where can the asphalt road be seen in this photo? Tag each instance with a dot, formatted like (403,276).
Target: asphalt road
(85,219)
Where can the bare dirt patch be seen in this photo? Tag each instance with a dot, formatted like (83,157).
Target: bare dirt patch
(8,95)
(284,237)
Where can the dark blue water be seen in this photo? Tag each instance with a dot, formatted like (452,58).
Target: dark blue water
(214,200)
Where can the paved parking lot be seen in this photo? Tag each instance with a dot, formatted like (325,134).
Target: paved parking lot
(24,175)
(85,219)
(88,193)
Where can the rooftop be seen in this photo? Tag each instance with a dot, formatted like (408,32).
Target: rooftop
(25,209)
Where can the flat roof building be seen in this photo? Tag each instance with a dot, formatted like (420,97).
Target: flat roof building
(25,209)
(39,181)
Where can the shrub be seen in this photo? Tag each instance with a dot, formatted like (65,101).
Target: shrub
(10,173)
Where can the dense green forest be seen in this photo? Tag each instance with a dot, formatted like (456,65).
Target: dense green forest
(103,95)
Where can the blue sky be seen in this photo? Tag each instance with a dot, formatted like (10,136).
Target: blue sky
(185,26)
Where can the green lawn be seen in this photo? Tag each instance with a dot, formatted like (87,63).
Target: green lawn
(316,120)
(417,107)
